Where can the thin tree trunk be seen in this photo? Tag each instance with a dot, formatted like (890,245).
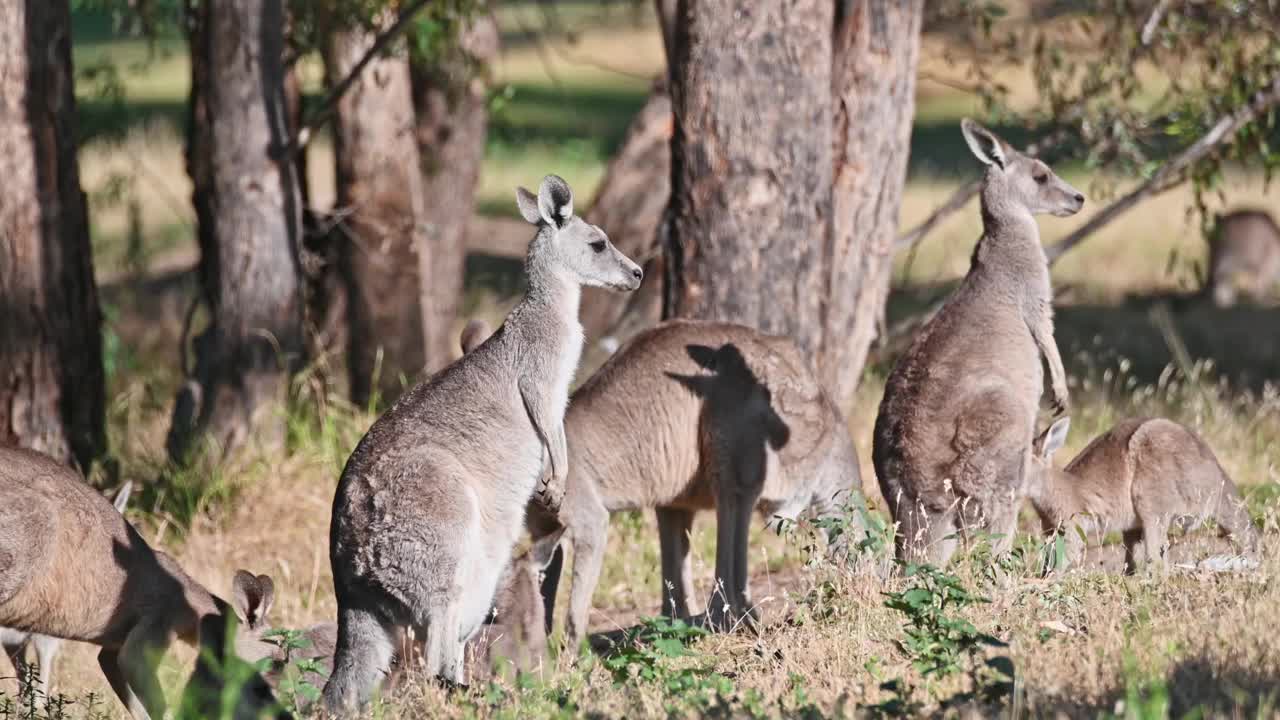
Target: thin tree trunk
(381,234)
(451,102)
(751,165)
(51,375)
(629,206)
(249,217)
(876,48)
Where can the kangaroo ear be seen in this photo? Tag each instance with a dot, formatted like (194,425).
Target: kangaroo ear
(555,201)
(528,204)
(1054,438)
(473,334)
(984,144)
(543,550)
(122,496)
(252,597)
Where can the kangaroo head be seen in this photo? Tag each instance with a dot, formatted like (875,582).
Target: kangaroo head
(519,604)
(1016,181)
(220,666)
(577,246)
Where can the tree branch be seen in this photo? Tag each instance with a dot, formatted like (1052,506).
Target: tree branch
(318,117)
(1170,174)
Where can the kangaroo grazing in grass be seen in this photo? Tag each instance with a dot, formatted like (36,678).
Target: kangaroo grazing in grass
(72,567)
(952,441)
(1244,257)
(1136,479)
(433,499)
(46,647)
(689,416)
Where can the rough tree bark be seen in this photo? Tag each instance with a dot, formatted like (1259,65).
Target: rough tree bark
(382,231)
(751,164)
(249,228)
(51,376)
(450,98)
(777,249)
(875,51)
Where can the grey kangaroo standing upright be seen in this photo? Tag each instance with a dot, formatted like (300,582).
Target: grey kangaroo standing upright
(952,441)
(691,416)
(433,499)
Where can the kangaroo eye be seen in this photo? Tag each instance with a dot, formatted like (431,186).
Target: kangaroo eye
(598,246)
(1041,178)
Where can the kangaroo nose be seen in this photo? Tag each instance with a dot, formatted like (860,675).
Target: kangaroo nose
(1080,198)
(637,273)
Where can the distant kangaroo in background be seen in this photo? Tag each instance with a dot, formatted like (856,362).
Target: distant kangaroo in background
(1137,479)
(952,441)
(72,567)
(46,647)
(1244,257)
(688,416)
(432,500)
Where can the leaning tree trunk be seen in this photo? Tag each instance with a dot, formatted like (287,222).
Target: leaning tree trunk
(751,165)
(629,206)
(451,100)
(249,228)
(380,198)
(51,377)
(876,48)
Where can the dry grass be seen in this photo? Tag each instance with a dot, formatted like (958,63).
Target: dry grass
(828,639)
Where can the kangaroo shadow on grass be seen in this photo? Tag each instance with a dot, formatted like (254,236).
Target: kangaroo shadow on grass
(1195,687)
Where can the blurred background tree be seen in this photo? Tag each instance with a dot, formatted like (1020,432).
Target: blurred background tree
(51,376)
(780,150)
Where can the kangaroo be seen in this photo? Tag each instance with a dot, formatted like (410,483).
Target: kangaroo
(952,440)
(46,647)
(688,416)
(432,500)
(72,567)
(518,631)
(1136,479)
(1244,257)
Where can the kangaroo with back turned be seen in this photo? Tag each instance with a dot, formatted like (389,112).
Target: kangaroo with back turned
(952,441)
(433,499)
(71,567)
(689,416)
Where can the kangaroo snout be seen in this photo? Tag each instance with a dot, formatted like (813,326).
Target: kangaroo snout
(632,273)
(1072,202)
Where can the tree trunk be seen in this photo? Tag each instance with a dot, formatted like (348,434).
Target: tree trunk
(751,165)
(380,198)
(51,376)
(249,227)
(451,101)
(629,206)
(873,82)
